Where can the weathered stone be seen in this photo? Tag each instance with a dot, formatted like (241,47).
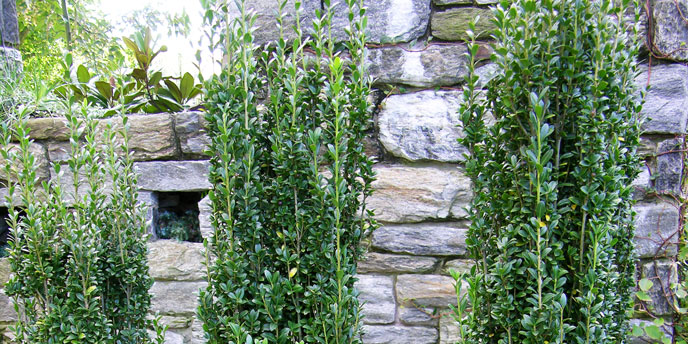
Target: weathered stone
(9,31)
(389,263)
(178,261)
(173,175)
(377,297)
(449,330)
(11,68)
(41,162)
(426,290)
(173,338)
(644,339)
(266,12)
(413,194)
(59,151)
(670,29)
(641,184)
(175,298)
(4,271)
(389,21)
(151,137)
(7,313)
(422,126)
(452,2)
(431,66)
(413,316)
(204,211)
(663,275)
(666,102)
(669,167)
(376,334)
(486,73)
(48,128)
(66,181)
(486,2)
(452,24)
(458,265)
(176,322)
(647,147)
(430,239)
(190,130)
(656,229)
(149,200)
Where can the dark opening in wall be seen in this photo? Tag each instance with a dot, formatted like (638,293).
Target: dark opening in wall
(4,231)
(177,216)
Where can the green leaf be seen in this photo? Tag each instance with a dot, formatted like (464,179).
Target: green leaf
(82,74)
(645,284)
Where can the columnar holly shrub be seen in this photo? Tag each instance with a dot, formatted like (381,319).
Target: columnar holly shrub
(290,179)
(552,224)
(77,251)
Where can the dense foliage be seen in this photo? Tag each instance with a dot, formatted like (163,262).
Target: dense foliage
(290,180)
(552,224)
(78,250)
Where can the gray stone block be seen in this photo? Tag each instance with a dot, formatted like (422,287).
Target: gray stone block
(412,316)
(430,66)
(670,29)
(191,133)
(406,194)
(663,275)
(422,126)
(171,176)
(666,102)
(389,21)
(377,297)
(656,229)
(431,239)
(175,298)
(390,263)
(395,334)
(669,167)
(426,291)
(171,260)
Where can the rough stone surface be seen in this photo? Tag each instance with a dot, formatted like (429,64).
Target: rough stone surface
(266,12)
(48,129)
(59,151)
(151,137)
(656,229)
(377,297)
(9,31)
(175,322)
(190,130)
(4,271)
(413,316)
(204,212)
(42,163)
(431,66)
(670,30)
(173,338)
(662,274)
(413,194)
(430,239)
(426,290)
(66,181)
(668,332)
(449,330)
(388,20)
(642,184)
(452,2)
(669,167)
(422,126)
(666,102)
(391,263)
(376,334)
(175,298)
(174,260)
(11,65)
(458,265)
(451,25)
(173,175)
(7,313)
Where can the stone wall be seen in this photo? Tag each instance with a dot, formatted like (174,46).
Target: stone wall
(421,188)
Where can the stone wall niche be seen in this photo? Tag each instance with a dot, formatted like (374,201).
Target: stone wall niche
(176,216)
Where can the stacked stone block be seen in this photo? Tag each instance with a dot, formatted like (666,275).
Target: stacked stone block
(421,190)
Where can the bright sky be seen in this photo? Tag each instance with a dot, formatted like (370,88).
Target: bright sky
(181,52)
